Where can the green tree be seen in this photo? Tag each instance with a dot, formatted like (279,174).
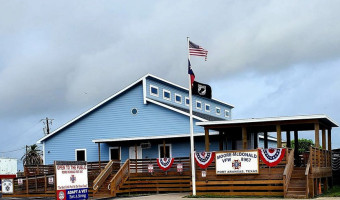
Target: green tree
(304,144)
(33,156)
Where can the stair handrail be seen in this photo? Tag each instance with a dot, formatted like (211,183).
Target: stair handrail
(102,176)
(119,178)
(287,173)
(307,172)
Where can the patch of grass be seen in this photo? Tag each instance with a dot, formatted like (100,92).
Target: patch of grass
(334,192)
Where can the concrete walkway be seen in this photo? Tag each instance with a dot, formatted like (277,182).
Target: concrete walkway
(179,196)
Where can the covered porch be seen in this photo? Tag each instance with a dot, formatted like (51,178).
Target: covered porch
(298,175)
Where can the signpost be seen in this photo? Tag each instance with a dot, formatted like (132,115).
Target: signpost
(237,162)
(71,180)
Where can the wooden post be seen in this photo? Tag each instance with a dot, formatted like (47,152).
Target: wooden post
(256,145)
(296,149)
(207,147)
(279,138)
(289,145)
(45,178)
(244,137)
(100,167)
(329,133)
(265,135)
(136,157)
(317,142)
(220,141)
(324,139)
(164,148)
(26,185)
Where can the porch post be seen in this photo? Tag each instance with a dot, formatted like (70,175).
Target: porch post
(207,148)
(288,139)
(323,139)
(220,141)
(244,137)
(317,141)
(317,137)
(279,138)
(296,148)
(265,141)
(255,140)
(329,132)
(100,167)
(164,148)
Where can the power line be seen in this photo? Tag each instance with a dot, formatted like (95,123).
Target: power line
(12,150)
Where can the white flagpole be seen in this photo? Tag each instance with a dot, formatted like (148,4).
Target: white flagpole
(193,170)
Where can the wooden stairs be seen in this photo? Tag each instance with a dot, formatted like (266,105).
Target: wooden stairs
(147,184)
(104,191)
(298,184)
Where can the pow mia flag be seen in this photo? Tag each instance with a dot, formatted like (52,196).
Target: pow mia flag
(201,89)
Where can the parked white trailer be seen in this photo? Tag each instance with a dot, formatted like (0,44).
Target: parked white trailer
(8,166)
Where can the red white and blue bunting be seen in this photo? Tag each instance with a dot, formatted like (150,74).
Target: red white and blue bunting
(165,163)
(272,156)
(204,159)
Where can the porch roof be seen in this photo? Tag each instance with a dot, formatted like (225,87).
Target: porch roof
(301,122)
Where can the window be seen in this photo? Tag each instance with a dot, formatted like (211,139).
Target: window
(178,98)
(218,110)
(198,105)
(154,90)
(80,154)
(226,113)
(207,107)
(187,101)
(114,153)
(168,152)
(166,95)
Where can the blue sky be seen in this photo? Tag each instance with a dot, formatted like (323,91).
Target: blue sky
(267,58)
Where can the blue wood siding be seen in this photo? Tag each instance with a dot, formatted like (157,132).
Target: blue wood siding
(114,120)
(184,93)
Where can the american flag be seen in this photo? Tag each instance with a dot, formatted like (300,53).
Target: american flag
(196,50)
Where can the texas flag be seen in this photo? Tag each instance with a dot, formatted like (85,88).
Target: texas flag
(192,75)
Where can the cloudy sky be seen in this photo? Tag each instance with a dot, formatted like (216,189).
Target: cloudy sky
(267,58)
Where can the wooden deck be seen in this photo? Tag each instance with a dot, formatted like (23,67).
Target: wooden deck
(283,180)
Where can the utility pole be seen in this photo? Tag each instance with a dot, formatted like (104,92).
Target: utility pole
(47,122)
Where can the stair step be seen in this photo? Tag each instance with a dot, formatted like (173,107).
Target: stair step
(297,189)
(296,196)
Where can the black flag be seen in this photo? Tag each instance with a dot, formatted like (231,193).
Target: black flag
(201,89)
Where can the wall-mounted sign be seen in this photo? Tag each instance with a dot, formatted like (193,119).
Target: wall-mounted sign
(7,186)
(237,162)
(50,180)
(20,181)
(204,174)
(71,180)
(180,167)
(150,168)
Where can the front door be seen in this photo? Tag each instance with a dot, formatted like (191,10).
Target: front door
(137,167)
(114,153)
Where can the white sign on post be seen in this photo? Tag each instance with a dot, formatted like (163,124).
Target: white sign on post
(71,180)
(237,162)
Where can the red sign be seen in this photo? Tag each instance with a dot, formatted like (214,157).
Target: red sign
(180,167)
(150,168)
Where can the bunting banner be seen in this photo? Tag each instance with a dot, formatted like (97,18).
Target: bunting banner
(272,156)
(165,163)
(204,159)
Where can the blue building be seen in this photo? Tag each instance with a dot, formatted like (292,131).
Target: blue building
(136,122)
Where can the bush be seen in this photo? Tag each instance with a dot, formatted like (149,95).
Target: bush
(304,144)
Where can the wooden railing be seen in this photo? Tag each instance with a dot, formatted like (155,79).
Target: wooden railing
(307,172)
(44,184)
(320,163)
(120,177)
(102,176)
(288,171)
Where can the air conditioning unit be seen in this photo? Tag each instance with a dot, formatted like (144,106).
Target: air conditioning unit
(146,145)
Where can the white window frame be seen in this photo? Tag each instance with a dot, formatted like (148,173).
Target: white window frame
(187,104)
(225,113)
(120,152)
(155,87)
(205,107)
(217,108)
(75,152)
(199,108)
(161,145)
(166,98)
(178,95)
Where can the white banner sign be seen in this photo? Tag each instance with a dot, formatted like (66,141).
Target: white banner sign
(71,180)
(237,162)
